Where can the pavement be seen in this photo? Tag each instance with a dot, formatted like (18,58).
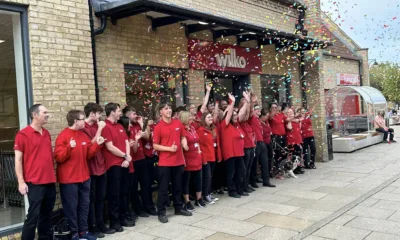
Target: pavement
(355,196)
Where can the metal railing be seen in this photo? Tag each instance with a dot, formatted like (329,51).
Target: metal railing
(10,195)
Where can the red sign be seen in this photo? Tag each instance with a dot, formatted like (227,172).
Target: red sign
(348,79)
(206,55)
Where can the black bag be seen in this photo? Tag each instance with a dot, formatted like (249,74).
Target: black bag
(60,226)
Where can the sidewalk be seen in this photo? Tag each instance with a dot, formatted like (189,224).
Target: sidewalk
(355,196)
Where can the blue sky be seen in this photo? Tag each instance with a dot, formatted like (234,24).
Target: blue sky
(372,24)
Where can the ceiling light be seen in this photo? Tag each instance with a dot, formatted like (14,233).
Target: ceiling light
(203,23)
(1,41)
(252,33)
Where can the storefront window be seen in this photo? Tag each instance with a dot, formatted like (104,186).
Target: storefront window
(146,86)
(274,88)
(13,116)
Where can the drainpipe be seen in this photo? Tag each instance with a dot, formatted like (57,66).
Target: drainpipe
(361,70)
(93,33)
(302,14)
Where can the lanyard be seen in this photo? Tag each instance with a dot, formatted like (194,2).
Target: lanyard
(191,132)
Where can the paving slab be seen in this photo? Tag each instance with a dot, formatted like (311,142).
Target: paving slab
(130,235)
(334,231)
(301,194)
(280,221)
(312,237)
(343,219)
(341,191)
(228,211)
(382,236)
(196,217)
(370,212)
(271,234)
(228,225)
(273,198)
(376,225)
(179,231)
(332,202)
(275,208)
(395,217)
(387,196)
(310,214)
(224,236)
(384,204)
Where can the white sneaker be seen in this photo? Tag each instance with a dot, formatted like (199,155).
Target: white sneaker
(213,198)
(208,200)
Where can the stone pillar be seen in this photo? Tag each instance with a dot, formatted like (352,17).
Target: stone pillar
(196,81)
(255,81)
(365,66)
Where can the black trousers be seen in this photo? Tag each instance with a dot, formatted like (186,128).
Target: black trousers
(309,150)
(118,181)
(165,175)
(75,198)
(41,203)
(280,152)
(197,179)
(385,133)
(98,186)
(248,163)
(270,156)
(208,171)
(262,159)
(235,172)
(142,177)
(219,176)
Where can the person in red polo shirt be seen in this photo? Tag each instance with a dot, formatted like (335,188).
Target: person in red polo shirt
(193,163)
(232,142)
(72,151)
(294,139)
(34,168)
(117,158)
(97,171)
(307,134)
(168,140)
(261,150)
(249,144)
(145,205)
(267,136)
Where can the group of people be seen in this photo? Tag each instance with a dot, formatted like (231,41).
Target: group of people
(191,155)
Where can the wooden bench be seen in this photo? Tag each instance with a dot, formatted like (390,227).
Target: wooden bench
(356,141)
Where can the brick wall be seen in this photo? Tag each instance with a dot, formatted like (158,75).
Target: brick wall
(365,66)
(264,13)
(333,65)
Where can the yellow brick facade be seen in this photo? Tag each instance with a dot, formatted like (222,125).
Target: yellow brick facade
(333,66)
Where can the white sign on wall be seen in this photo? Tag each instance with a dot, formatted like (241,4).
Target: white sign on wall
(348,79)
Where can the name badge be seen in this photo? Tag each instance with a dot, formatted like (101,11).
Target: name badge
(215,144)
(147,146)
(83,143)
(196,145)
(241,135)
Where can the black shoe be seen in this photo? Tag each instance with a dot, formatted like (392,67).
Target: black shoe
(183,212)
(393,141)
(132,216)
(106,230)
(251,189)
(246,190)
(312,166)
(127,223)
(152,212)
(188,207)
(244,194)
(234,195)
(200,203)
(225,189)
(268,185)
(220,192)
(298,171)
(254,185)
(162,218)
(117,228)
(98,234)
(308,166)
(143,214)
(259,180)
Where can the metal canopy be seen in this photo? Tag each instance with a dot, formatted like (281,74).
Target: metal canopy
(172,13)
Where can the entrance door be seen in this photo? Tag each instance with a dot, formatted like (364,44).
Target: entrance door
(229,83)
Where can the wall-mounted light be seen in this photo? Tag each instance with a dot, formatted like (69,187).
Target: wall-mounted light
(203,23)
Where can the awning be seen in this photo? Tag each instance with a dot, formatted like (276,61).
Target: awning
(169,13)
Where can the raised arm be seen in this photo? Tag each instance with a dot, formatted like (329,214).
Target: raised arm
(229,109)
(216,108)
(206,98)
(243,111)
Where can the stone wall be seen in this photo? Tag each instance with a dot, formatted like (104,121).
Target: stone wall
(335,65)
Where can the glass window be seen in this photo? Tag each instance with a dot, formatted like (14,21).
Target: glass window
(274,89)
(145,87)
(13,116)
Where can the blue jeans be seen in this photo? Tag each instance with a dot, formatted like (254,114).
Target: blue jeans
(75,198)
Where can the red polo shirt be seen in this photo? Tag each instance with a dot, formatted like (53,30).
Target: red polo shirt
(139,155)
(115,133)
(209,144)
(148,144)
(37,159)
(193,158)
(96,164)
(266,132)
(277,124)
(294,135)
(232,140)
(166,134)
(306,127)
(257,128)
(249,137)
(72,166)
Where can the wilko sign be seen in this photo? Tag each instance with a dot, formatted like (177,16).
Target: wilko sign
(348,79)
(205,55)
